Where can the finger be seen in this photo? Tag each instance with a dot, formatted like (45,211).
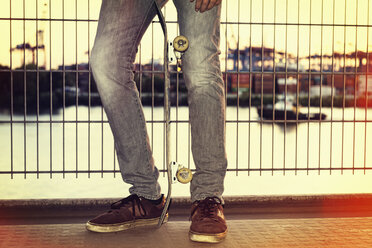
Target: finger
(204,6)
(211,4)
(218,2)
(198,4)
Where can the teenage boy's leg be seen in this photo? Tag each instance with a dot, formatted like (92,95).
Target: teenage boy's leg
(201,67)
(121,26)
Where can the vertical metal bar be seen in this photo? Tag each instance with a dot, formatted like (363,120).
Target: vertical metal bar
(355,79)
(140,92)
(274,97)
(262,73)
(226,56)
(140,69)
(366,95)
(308,95)
(333,84)
(77,92)
(298,83)
(285,83)
(343,97)
(177,105)
(237,95)
(321,84)
(165,114)
(51,90)
(102,143)
(102,137)
(166,110)
(152,86)
(189,146)
(89,94)
(114,169)
(63,90)
(24,92)
(37,93)
(11,91)
(189,124)
(250,87)
(177,101)
(167,106)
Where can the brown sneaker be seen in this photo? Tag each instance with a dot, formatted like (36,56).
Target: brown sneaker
(208,222)
(128,213)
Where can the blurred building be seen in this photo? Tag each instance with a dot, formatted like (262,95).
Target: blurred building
(342,72)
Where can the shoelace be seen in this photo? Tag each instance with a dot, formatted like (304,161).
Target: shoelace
(208,208)
(132,201)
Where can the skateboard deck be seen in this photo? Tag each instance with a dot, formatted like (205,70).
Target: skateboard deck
(175,171)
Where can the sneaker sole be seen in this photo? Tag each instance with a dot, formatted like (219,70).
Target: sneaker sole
(107,228)
(206,237)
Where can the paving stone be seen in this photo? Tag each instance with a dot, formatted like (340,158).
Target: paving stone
(312,233)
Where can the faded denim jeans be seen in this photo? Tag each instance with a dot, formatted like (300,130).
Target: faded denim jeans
(121,26)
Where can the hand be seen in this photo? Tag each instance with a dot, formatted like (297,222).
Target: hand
(204,5)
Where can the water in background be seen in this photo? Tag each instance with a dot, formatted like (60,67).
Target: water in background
(248,146)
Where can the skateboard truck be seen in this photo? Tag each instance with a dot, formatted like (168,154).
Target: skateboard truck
(180,173)
(175,171)
(180,46)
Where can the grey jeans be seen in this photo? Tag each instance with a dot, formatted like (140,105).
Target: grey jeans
(121,26)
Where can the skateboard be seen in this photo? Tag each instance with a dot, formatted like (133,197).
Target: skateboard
(175,171)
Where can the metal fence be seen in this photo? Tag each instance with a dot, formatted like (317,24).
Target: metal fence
(297,81)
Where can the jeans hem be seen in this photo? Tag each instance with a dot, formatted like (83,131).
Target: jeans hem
(203,196)
(148,197)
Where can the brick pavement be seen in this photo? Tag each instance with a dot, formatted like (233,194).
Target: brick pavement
(298,232)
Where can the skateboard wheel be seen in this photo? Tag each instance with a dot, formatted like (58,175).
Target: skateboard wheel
(180,43)
(184,175)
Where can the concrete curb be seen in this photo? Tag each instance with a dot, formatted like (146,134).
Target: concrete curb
(36,208)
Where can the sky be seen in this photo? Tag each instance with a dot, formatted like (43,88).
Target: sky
(68,42)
